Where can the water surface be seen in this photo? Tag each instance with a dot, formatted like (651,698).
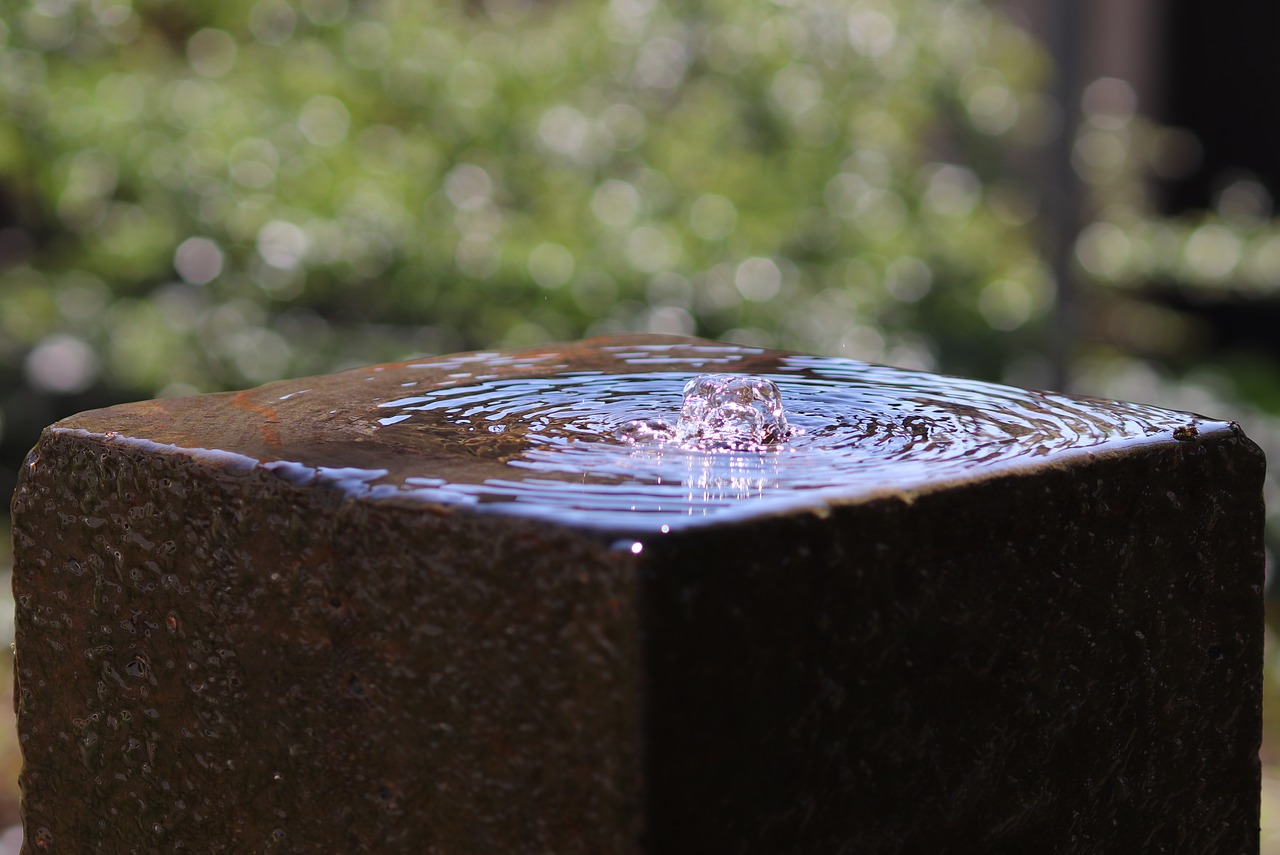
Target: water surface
(567,447)
(549,432)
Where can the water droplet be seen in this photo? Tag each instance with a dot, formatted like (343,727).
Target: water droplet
(645,430)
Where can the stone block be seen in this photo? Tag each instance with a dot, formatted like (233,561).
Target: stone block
(492,603)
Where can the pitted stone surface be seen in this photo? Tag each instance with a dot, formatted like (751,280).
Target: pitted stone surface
(268,622)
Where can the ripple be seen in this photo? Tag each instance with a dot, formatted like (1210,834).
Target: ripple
(563,439)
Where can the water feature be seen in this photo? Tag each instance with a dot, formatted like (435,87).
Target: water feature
(613,575)
(648,436)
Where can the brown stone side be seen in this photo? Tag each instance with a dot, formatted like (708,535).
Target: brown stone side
(209,656)
(1064,661)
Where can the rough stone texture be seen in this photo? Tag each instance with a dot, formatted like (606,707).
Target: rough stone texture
(214,660)
(1064,661)
(215,656)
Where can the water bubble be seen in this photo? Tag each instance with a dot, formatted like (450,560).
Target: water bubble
(645,430)
(731,411)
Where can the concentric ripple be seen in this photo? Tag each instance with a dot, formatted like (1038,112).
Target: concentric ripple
(568,448)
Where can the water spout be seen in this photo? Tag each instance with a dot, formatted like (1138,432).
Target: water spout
(733,412)
(720,412)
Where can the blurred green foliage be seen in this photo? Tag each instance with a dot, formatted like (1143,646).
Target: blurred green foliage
(1157,281)
(198,196)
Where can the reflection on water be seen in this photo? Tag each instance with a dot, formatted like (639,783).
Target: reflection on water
(594,446)
(583,433)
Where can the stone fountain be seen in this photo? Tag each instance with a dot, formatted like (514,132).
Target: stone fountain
(639,595)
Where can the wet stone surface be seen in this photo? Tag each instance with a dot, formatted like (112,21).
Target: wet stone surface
(639,595)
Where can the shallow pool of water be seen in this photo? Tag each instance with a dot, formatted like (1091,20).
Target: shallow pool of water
(552,432)
(565,440)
